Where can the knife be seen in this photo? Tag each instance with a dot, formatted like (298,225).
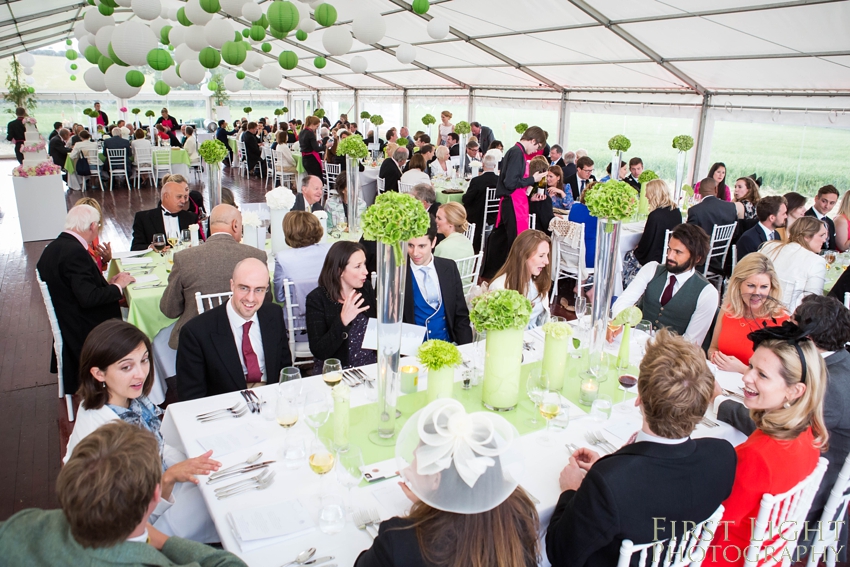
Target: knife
(254,467)
(319,560)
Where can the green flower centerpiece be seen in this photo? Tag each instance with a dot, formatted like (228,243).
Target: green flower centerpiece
(504,314)
(628,318)
(353,148)
(136,112)
(643,204)
(213,153)
(463,128)
(319,113)
(150,114)
(365,115)
(377,120)
(440,358)
(521,128)
(247,110)
(687,196)
(428,119)
(556,351)
(278,112)
(612,200)
(394,219)
(647,176)
(683,143)
(619,143)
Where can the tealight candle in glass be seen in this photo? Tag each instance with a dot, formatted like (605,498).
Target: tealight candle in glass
(589,390)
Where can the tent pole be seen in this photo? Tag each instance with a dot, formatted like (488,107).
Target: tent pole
(470,111)
(405,117)
(698,146)
(357,108)
(564,120)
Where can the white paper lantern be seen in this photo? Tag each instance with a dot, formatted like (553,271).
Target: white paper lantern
(192,72)
(251,64)
(84,42)
(80,29)
(28,71)
(146,9)
(116,82)
(358,64)
(31,80)
(271,75)
(184,53)
(315,3)
(405,53)
(369,27)
(232,83)
(172,14)
(132,41)
(337,40)
(196,14)
(102,39)
(177,35)
(232,7)
(438,28)
(94,20)
(252,12)
(26,60)
(124,3)
(218,31)
(196,39)
(157,25)
(303,11)
(94,79)
(171,78)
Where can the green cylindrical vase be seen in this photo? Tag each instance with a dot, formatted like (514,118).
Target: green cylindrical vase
(501,369)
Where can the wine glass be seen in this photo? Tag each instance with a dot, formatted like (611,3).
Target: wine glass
(290,377)
(332,372)
(580,306)
(173,238)
(186,237)
(159,242)
(349,470)
(536,385)
(286,411)
(550,407)
(317,409)
(626,381)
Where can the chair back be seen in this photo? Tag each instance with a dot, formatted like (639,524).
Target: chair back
(827,542)
(405,187)
(332,170)
(721,238)
(93,159)
(847,299)
(144,156)
(469,233)
(117,159)
(790,294)
(689,549)
(162,158)
(532,221)
(469,269)
(568,254)
(667,234)
(57,342)
(780,520)
(213,299)
(491,206)
(381,182)
(300,350)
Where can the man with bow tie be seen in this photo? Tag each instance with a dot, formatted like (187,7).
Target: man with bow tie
(167,218)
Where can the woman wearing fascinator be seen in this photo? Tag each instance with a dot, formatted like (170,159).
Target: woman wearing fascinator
(460,472)
(752,302)
(784,391)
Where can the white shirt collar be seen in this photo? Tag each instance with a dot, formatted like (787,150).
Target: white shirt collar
(424,266)
(236,320)
(682,278)
(827,353)
(818,213)
(140,539)
(79,238)
(643,436)
(767,232)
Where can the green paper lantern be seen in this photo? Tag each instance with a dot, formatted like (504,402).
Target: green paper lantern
(257,32)
(266,47)
(104,63)
(110,3)
(30,90)
(134,78)
(177,70)
(301,35)
(263,21)
(68,42)
(421,6)
(283,16)
(213,86)
(161,88)
(209,57)
(288,60)
(73,66)
(181,17)
(71,55)
(232,53)
(237,36)
(115,58)
(106,10)
(246,32)
(325,15)
(320,62)
(210,6)
(92,54)
(159,59)
(170,48)
(276,33)
(240,75)
(163,35)
(73,77)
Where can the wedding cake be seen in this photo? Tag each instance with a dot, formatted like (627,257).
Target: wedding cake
(34,147)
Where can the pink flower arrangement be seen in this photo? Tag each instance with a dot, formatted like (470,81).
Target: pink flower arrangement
(37,147)
(44,168)
(29,120)
(123,109)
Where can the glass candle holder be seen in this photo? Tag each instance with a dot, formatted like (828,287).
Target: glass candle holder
(589,390)
(409,379)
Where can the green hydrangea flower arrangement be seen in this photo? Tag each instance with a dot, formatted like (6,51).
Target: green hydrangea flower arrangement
(319,113)
(365,115)
(436,354)
(558,330)
(136,111)
(212,152)
(683,143)
(612,200)
(150,114)
(284,110)
(463,127)
(352,146)
(688,190)
(619,143)
(394,219)
(521,128)
(88,112)
(278,112)
(428,119)
(500,310)
(247,110)
(376,119)
(647,176)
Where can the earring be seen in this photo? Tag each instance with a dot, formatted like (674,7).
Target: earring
(786,405)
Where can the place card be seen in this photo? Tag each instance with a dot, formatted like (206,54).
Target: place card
(258,527)
(225,443)
(411,337)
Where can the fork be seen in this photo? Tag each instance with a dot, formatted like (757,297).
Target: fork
(269,480)
(604,441)
(149,286)
(374,519)
(239,413)
(234,408)
(253,480)
(709,422)
(350,378)
(362,522)
(594,438)
(369,381)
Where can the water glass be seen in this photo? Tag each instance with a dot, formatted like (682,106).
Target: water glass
(646,327)
(290,380)
(600,409)
(186,237)
(317,409)
(331,514)
(536,386)
(349,470)
(580,306)
(294,451)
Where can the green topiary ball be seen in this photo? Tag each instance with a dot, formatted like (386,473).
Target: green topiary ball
(421,6)
(301,35)
(210,6)
(134,78)
(209,57)
(325,15)
(240,75)
(159,59)
(320,62)
(288,60)
(161,88)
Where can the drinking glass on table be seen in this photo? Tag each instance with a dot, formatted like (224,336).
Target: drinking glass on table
(317,409)
(600,409)
(348,469)
(286,411)
(646,327)
(186,237)
(626,381)
(550,407)
(159,242)
(173,239)
(332,372)
(321,460)
(536,385)
(331,514)
(580,306)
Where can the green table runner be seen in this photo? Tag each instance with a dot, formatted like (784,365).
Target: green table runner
(143,304)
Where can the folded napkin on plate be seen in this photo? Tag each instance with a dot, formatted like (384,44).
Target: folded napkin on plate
(136,261)
(258,527)
(147,278)
(623,429)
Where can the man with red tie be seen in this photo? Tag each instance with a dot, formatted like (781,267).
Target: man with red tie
(234,346)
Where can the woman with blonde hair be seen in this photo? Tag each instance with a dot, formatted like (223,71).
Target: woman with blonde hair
(446,127)
(664,215)
(842,223)
(441,167)
(753,301)
(100,253)
(784,389)
(451,223)
(798,262)
(527,271)
(746,197)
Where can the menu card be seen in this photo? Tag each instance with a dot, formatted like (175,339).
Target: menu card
(258,527)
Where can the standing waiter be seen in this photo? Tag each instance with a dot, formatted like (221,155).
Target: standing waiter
(16,132)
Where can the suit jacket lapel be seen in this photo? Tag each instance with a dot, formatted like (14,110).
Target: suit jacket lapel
(270,352)
(225,346)
(445,289)
(157,220)
(408,295)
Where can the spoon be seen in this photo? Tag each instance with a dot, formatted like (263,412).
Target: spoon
(302,557)
(249,461)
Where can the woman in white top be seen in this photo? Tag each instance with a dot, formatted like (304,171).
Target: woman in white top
(527,271)
(451,223)
(140,143)
(446,127)
(441,167)
(416,172)
(190,144)
(284,159)
(116,374)
(798,264)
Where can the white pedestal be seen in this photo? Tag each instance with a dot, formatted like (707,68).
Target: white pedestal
(41,206)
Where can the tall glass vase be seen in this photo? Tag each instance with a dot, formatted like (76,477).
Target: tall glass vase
(615,166)
(680,176)
(463,157)
(607,248)
(502,363)
(392,271)
(352,185)
(214,184)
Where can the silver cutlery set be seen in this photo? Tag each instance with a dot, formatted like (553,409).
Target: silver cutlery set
(236,410)
(354,377)
(252,399)
(365,519)
(596,439)
(306,558)
(260,481)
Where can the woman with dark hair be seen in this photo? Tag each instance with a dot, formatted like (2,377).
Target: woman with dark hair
(718,173)
(339,309)
(796,206)
(746,197)
(116,375)
(527,271)
(561,199)
(311,149)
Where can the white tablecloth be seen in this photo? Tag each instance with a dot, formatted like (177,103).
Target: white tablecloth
(540,478)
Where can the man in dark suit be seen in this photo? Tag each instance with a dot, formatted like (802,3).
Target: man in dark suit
(310,197)
(16,132)
(235,345)
(645,491)
(453,143)
(81,297)
(484,135)
(391,169)
(824,202)
(292,133)
(56,127)
(475,198)
(826,322)
(252,149)
(167,218)
(116,142)
(569,164)
(221,136)
(711,212)
(58,148)
(556,156)
(772,213)
(433,294)
(635,169)
(582,177)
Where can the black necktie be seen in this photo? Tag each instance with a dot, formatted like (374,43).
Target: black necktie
(169,213)
(775,235)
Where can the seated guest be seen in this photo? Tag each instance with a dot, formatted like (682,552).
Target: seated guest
(752,301)
(622,175)
(453,143)
(339,309)
(221,135)
(101,253)
(253,153)
(635,169)
(425,194)
(206,269)
(527,271)
(771,213)
(57,126)
(303,260)
(167,218)
(116,142)
(712,211)
(416,171)
(75,137)
(190,144)
(107,492)
(475,198)
(664,215)
(58,147)
(582,177)
(824,203)
(441,166)
(562,197)
(81,148)
(116,376)
(390,170)
(140,142)
(717,173)
(480,517)
(240,343)
(746,198)
(81,297)
(284,160)
(539,202)
(337,203)
(674,294)
(470,156)
(451,223)
(842,224)
(644,491)
(581,214)
(310,197)
(784,390)
(427,153)
(798,263)
(434,292)
(330,153)
(826,322)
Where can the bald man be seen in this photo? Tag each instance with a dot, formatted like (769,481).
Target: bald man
(234,346)
(206,268)
(167,218)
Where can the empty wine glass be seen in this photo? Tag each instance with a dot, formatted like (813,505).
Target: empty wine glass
(186,237)
(536,385)
(349,471)
(580,306)
(317,409)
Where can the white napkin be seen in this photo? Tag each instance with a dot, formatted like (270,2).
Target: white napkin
(226,443)
(136,261)
(258,527)
(147,278)
(392,499)
(128,254)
